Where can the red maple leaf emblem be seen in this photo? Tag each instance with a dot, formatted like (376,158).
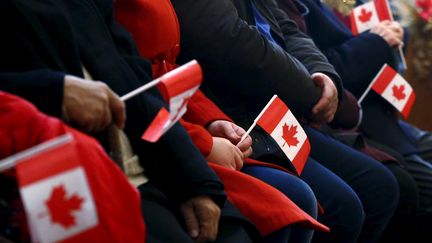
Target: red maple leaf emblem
(289,135)
(365,15)
(398,92)
(60,208)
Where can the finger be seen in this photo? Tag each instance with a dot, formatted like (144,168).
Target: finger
(191,220)
(238,159)
(385,22)
(245,144)
(319,81)
(94,121)
(394,41)
(208,224)
(231,134)
(328,117)
(239,130)
(104,121)
(247,153)
(322,104)
(117,108)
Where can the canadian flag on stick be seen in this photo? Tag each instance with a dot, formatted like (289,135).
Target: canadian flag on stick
(177,86)
(394,88)
(278,121)
(367,15)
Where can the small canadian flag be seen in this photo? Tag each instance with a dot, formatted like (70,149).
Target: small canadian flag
(278,121)
(56,195)
(395,89)
(367,15)
(177,86)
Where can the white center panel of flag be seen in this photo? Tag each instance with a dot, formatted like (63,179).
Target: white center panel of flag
(36,195)
(406,90)
(300,135)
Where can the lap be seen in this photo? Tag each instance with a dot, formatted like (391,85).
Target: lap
(164,223)
(365,175)
(292,186)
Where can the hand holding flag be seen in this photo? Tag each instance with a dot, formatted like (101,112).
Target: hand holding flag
(368,15)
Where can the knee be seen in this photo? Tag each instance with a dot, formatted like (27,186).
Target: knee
(384,189)
(305,198)
(350,211)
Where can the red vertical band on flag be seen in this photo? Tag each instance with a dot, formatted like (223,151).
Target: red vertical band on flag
(181,79)
(300,160)
(354,28)
(407,109)
(156,129)
(383,79)
(273,115)
(46,164)
(383,10)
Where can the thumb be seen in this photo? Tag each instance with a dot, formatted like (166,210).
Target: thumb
(190,219)
(231,134)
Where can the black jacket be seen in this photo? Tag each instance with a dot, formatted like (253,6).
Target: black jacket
(42,40)
(242,69)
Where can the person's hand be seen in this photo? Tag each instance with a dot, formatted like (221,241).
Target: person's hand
(325,109)
(232,132)
(90,105)
(201,216)
(226,154)
(390,31)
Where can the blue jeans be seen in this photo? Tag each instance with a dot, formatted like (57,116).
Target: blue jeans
(374,184)
(298,191)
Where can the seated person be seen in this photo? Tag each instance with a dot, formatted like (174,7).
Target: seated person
(249,51)
(214,133)
(68,37)
(358,59)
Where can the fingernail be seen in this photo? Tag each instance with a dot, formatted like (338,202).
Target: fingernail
(194,233)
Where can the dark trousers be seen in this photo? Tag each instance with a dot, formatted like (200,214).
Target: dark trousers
(164,223)
(374,184)
(298,191)
(359,195)
(419,165)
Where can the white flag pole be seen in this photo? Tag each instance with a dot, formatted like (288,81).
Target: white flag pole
(140,89)
(256,120)
(246,133)
(12,161)
(370,85)
(364,94)
(403,58)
